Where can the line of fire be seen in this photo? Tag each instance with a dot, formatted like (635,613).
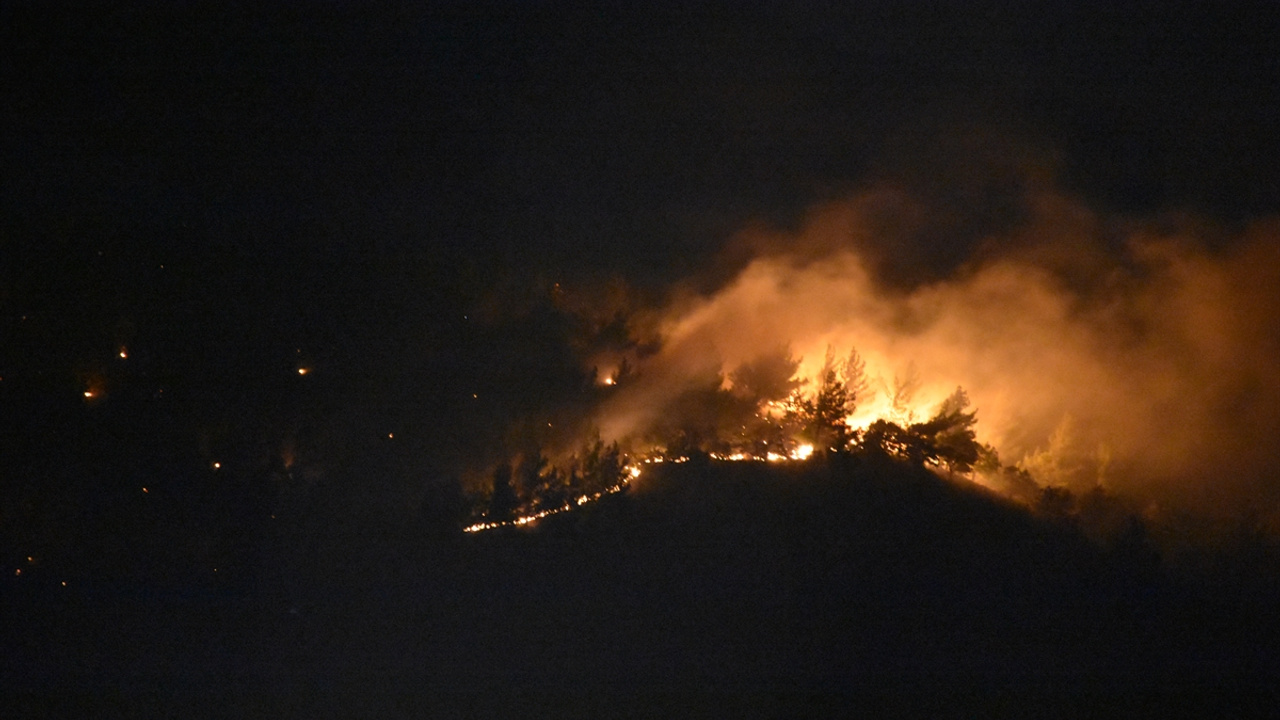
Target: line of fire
(767,414)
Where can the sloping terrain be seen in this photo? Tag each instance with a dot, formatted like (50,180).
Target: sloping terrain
(723,589)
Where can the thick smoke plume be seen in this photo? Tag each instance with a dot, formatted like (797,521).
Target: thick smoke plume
(1139,355)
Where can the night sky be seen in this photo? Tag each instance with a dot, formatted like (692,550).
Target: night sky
(624,138)
(336,243)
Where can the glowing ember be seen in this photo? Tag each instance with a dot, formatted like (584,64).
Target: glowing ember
(522,520)
(632,471)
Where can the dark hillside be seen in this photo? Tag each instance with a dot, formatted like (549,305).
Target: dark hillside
(719,587)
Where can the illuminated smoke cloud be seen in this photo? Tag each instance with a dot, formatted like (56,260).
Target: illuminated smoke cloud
(1150,347)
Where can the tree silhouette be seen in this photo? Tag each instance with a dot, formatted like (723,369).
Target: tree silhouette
(884,437)
(600,465)
(530,477)
(759,388)
(947,439)
(769,377)
(503,502)
(1067,461)
(853,371)
(623,374)
(949,436)
(901,393)
(822,418)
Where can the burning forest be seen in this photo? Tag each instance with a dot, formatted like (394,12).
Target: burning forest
(768,353)
(1101,354)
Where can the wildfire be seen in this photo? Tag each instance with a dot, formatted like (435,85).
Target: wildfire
(801,452)
(631,472)
(522,520)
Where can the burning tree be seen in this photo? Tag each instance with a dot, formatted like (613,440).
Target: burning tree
(1068,461)
(601,466)
(901,394)
(945,440)
(949,434)
(770,377)
(760,386)
(822,418)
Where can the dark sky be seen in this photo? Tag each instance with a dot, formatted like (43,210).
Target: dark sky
(631,138)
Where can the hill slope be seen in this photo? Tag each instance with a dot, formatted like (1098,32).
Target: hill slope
(754,585)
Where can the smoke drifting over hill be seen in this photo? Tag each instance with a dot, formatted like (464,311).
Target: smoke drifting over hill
(1138,354)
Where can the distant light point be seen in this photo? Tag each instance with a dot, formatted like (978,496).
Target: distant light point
(303,371)
(217,465)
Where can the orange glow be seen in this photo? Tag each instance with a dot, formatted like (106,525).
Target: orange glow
(124,353)
(1157,336)
(303,370)
(520,521)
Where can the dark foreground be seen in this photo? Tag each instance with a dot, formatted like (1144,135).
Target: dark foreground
(707,590)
